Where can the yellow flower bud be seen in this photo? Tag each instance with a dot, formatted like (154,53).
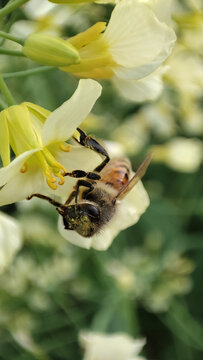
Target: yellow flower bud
(50,50)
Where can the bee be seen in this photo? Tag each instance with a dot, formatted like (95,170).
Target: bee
(97,194)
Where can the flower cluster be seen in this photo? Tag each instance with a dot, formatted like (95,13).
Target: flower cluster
(130,51)
(67,188)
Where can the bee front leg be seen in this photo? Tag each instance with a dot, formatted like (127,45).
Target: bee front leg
(71,197)
(81,174)
(90,143)
(50,200)
(85,184)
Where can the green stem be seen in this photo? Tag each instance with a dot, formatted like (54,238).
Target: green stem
(8,25)
(11,52)
(30,72)
(2,105)
(11,6)
(6,92)
(11,37)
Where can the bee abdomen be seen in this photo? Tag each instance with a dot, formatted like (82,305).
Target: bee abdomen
(116,173)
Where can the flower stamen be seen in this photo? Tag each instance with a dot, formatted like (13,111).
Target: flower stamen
(24,168)
(50,179)
(65,148)
(61,177)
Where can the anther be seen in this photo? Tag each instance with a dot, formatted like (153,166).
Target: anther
(65,148)
(62,180)
(50,180)
(24,168)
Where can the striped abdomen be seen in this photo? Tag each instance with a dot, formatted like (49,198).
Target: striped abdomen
(116,173)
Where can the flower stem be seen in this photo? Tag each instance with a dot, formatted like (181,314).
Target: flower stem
(8,25)
(6,92)
(29,72)
(11,52)
(2,105)
(11,6)
(11,37)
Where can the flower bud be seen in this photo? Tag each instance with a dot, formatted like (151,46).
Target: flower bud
(50,50)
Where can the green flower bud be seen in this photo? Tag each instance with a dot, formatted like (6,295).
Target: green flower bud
(50,50)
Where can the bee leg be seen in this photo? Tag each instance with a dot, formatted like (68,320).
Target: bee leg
(51,201)
(82,174)
(74,193)
(71,197)
(90,143)
(85,184)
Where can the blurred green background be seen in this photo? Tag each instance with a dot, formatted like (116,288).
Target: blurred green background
(149,282)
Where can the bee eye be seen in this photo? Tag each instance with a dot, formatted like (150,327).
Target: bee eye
(92,211)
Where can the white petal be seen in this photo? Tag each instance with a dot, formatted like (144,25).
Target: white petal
(10,171)
(20,187)
(127,214)
(61,124)
(162,9)
(148,88)
(136,37)
(140,72)
(10,239)
(118,346)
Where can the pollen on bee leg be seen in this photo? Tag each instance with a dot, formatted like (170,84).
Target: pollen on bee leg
(24,168)
(65,148)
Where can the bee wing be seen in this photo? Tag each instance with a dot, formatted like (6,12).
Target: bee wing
(138,176)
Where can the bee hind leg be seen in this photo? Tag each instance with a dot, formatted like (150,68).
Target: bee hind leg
(90,143)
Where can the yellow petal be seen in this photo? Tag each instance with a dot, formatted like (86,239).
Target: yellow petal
(4,140)
(19,121)
(88,36)
(38,111)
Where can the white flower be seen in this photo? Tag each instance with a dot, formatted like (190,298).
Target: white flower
(134,44)
(185,72)
(37,138)
(10,240)
(43,16)
(117,346)
(180,154)
(128,213)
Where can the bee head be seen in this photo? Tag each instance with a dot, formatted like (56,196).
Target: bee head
(84,218)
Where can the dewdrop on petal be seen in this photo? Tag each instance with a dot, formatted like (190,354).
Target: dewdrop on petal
(50,50)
